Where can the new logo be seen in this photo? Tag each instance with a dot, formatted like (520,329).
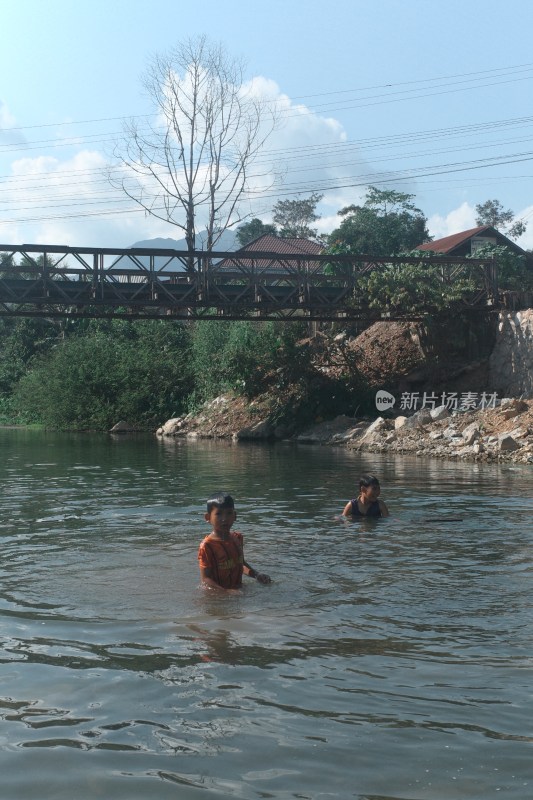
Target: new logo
(384,400)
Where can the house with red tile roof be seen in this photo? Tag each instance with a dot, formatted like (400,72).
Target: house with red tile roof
(276,247)
(467,243)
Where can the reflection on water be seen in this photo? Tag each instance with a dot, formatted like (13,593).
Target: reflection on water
(389,659)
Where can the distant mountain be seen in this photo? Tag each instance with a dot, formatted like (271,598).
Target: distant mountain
(161,244)
(226,244)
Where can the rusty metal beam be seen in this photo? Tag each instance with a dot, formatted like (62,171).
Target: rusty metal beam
(137,283)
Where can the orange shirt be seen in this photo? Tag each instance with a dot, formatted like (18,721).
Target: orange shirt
(224,559)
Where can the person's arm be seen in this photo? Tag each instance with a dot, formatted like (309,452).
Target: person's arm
(347,509)
(383,508)
(208,580)
(253,573)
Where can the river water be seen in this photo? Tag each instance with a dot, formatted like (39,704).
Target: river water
(388,660)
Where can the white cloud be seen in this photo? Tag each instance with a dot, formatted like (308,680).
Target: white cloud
(460,219)
(526,240)
(69,202)
(328,223)
(464,217)
(66,199)
(9,135)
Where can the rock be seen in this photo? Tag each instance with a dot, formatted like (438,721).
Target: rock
(261,430)
(451,433)
(399,422)
(377,426)
(122,427)
(471,433)
(463,452)
(171,426)
(441,412)
(418,420)
(339,429)
(514,409)
(350,435)
(506,443)
(434,435)
(505,402)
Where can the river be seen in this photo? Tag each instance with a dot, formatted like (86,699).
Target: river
(388,660)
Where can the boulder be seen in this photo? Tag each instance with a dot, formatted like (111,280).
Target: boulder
(506,443)
(513,408)
(378,426)
(441,412)
(349,435)
(339,429)
(419,419)
(261,430)
(471,433)
(122,427)
(171,426)
(451,433)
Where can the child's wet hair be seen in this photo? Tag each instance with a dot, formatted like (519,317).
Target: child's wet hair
(220,500)
(368,480)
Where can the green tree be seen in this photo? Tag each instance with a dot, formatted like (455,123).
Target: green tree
(253,230)
(386,224)
(408,288)
(232,356)
(493,213)
(21,340)
(114,370)
(295,217)
(512,269)
(6,261)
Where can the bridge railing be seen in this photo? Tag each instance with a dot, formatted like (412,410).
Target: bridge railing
(44,280)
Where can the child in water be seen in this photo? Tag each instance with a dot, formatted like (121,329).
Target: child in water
(221,555)
(367,504)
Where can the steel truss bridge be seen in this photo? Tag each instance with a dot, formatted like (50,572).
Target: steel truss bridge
(137,283)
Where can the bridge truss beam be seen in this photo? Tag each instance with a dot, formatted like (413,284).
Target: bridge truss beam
(137,283)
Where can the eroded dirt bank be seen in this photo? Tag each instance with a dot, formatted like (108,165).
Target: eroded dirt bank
(403,359)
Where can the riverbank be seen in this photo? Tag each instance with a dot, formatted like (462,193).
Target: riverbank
(500,434)
(411,362)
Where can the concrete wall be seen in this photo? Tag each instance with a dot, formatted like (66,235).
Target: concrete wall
(511,361)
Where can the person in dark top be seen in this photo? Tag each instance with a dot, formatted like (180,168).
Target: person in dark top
(367,504)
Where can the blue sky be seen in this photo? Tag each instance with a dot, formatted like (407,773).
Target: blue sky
(428,97)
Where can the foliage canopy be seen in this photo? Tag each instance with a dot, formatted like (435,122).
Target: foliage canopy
(387,224)
(295,217)
(493,213)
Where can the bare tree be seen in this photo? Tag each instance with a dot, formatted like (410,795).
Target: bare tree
(192,167)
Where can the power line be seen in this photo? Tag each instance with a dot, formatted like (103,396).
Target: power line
(291,113)
(319,150)
(517,67)
(299,159)
(352,182)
